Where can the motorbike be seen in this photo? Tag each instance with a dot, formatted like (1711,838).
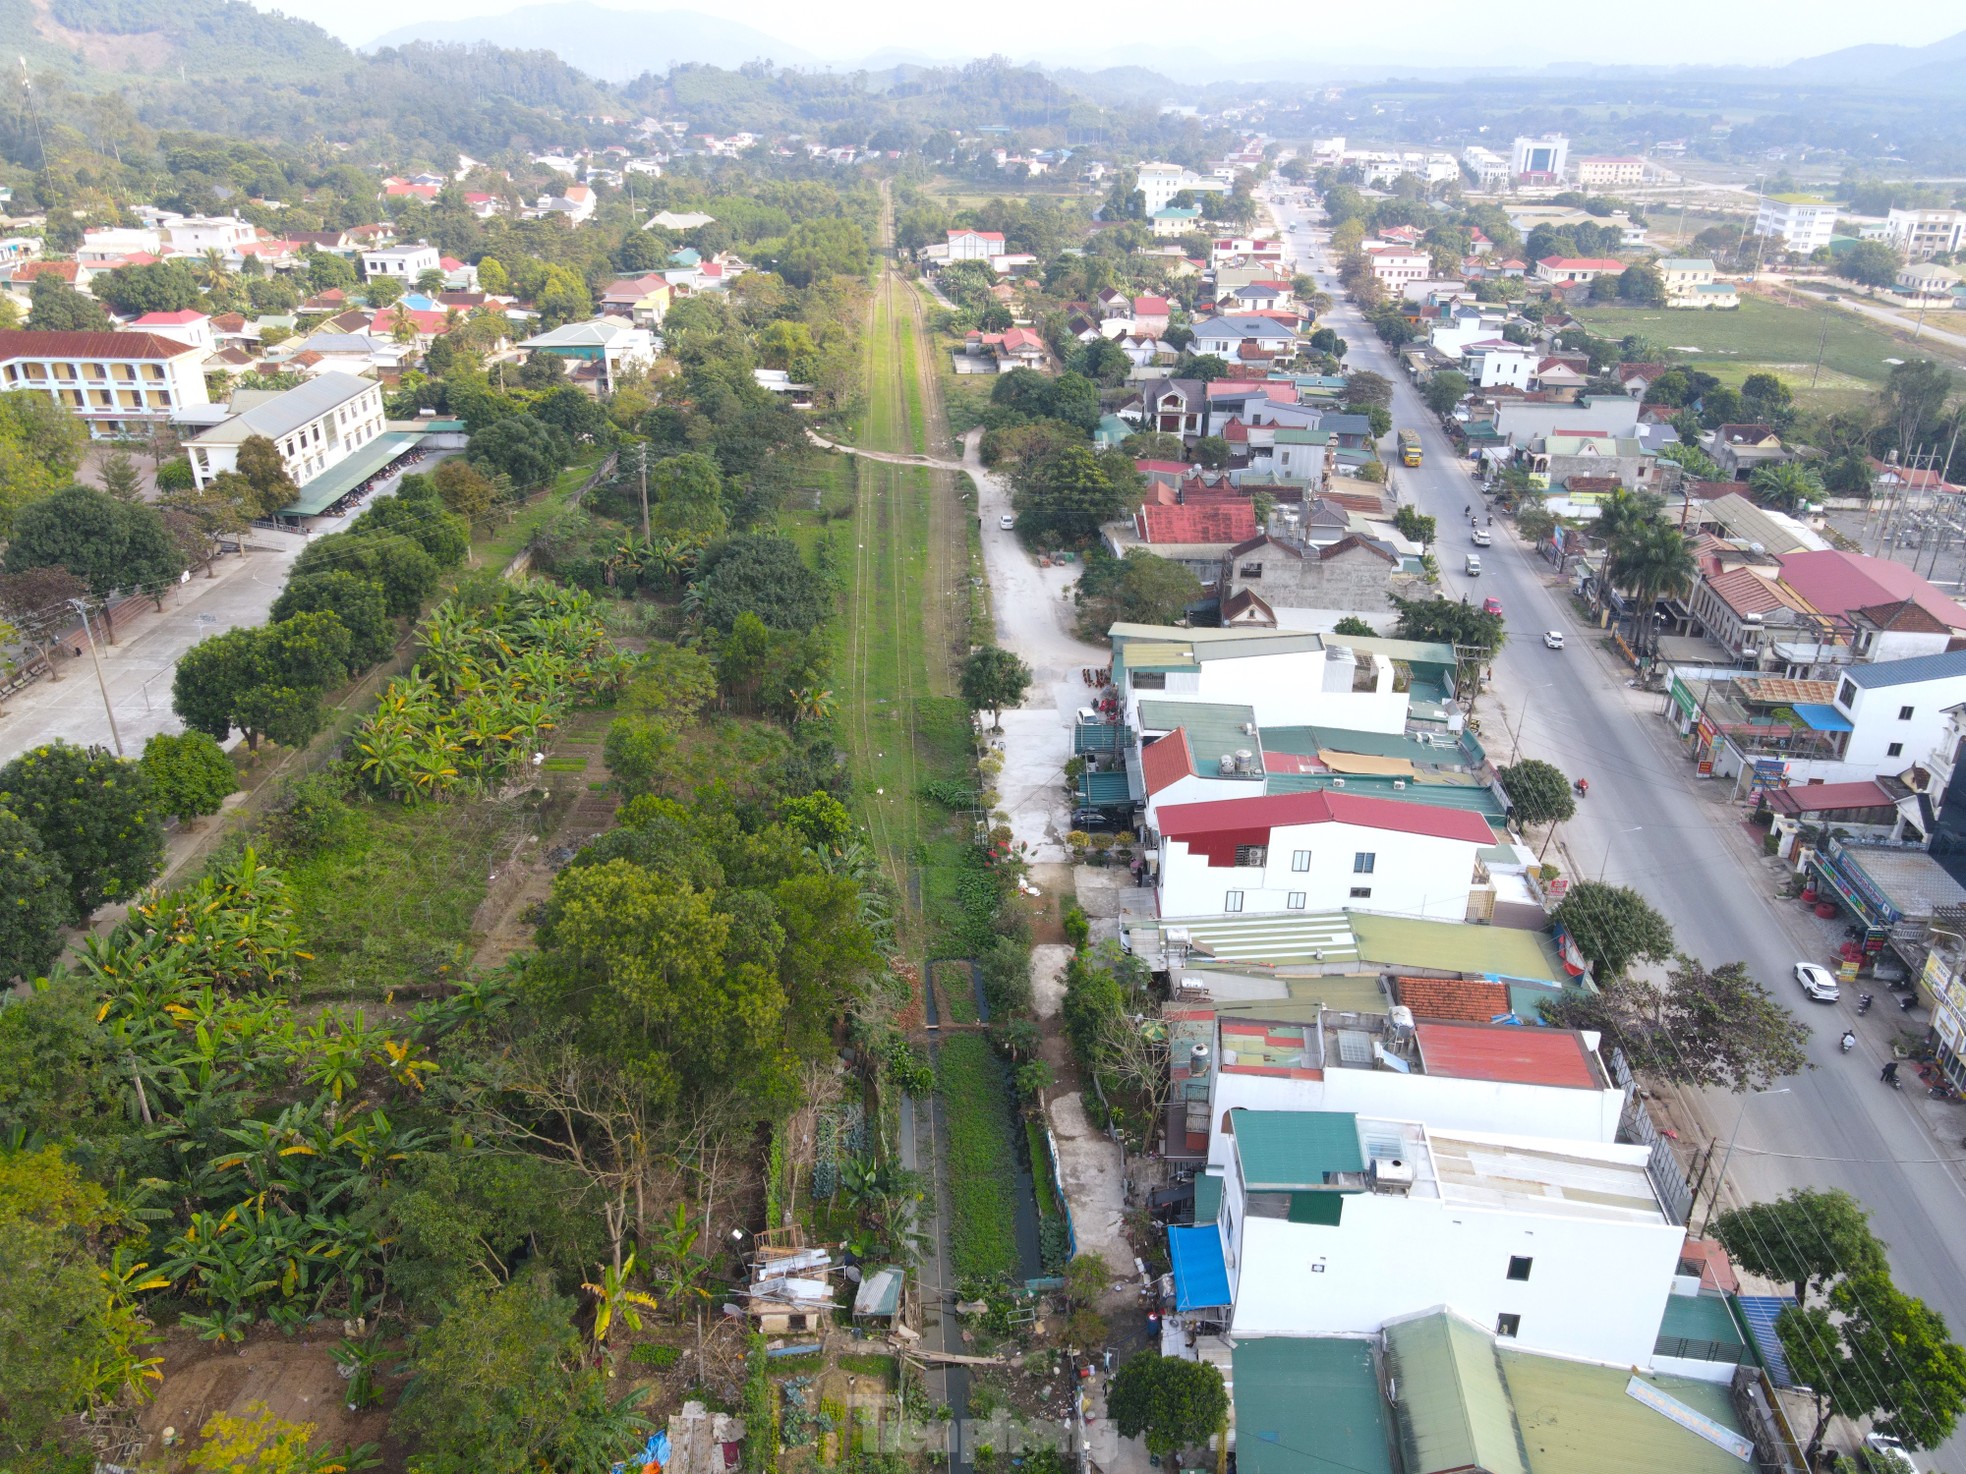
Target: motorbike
(1905,1003)
(1849,1041)
(1583,787)
(1863,1004)
(1890,1076)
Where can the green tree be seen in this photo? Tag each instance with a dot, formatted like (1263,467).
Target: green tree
(1070,495)
(521,447)
(190,772)
(267,681)
(109,545)
(1914,397)
(1415,525)
(763,575)
(1354,627)
(120,477)
(354,599)
(259,461)
(70,1341)
(1141,588)
(329,272)
(686,494)
(34,904)
(1172,1402)
(462,489)
(1367,389)
(1910,1372)
(1640,286)
(56,307)
(1614,927)
(1449,622)
(384,291)
(1870,264)
(1445,389)
(96,814)
(158,286)
(1808,1239)
(1786,485)
(1538,792)
(1654,561)
(992,679)
(41,448)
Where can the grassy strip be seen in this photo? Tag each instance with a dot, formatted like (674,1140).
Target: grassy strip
(498,550)
(1047,1192)
(981,1159)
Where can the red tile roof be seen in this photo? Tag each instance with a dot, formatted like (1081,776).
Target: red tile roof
(1814,798)
(1467,1000)
(1167,761)
(33,270)
(1214,520)
(23,343)
(1217,828)
(1507,1053)
(1581,263)
(1150,307)
(1837,582)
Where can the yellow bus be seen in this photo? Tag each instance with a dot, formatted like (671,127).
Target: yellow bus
(1409,447)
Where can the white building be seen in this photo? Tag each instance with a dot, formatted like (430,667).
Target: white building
(1919,235)
(1224,336)
(193,235)
(975,245)
(1490,169)
(599,350)
(1318,851)
(1333,1223)
(315,426)
(403,263)
(192,328)
(1897,711)
(116,383)
(1802,223)
(1683,277)
(1496,361)
(1160,183)
(1284,677)
(1396,266)
(1606,171)
(109,245)
(1539,160)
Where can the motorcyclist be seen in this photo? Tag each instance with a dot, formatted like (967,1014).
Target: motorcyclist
(1849,1039)
(1583,786)
(1890,1073)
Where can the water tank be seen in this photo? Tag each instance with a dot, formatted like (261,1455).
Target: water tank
(1226,763)
(1392,1174)
(1401,1018)
(1198,1060)
(1245,760)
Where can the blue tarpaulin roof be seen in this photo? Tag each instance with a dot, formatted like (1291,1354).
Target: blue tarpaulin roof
(1821,718)
(1201,1279)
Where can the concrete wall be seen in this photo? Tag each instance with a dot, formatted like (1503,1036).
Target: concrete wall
(1358,580)
(1411,874)
(1614,413)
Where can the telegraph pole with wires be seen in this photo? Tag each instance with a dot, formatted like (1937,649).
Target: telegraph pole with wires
(642,459)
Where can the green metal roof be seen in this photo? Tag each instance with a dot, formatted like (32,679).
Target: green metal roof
(1296,1150)
(1356,994)
(1309,1405)
(1104,790)
(1700,1318)
(1308,741)
(1453,1408)
(1449,946)
(1472,797)
(344,476)
(1578,1419)
(1208,1198)
(1213,728)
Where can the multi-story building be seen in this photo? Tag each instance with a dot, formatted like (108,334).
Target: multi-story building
(1539,160)
(193,235)
(1919,235)
(402,263)
(1603,172)
(1160,183)
(1801,222)
(1393,267)
(315,427)
(117,383)
(1681,275)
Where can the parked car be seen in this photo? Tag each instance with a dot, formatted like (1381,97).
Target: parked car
(1553,639)
(1096,821)
(1817,982)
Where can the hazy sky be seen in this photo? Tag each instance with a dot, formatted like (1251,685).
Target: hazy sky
(1432,32)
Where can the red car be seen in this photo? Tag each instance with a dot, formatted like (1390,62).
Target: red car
(1491,606)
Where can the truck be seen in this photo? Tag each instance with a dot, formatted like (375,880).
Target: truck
(1409,447)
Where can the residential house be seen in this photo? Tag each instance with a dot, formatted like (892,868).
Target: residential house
(483,206)
(114,245)
(1311,586)
(1575,270)
(1175,407)
(1011,349)
(1232,338)
(1493,362)
(975,245)
(1884,719)
(1561,458)
(1195,532)
(1280,676)
(1396,1218)
(194,235)
(1158,184)
(1150,316)
(19,278)
(315,427)
(1395,266)
(1927,281)
(1174,220)
(189,327)
(576,202)
(1839,583)
(1739,449)
(401,263)
(1638,378)
(1317,851)
(1919,235)
(643,300)
(1609,171)
(1682,275)
(118,384)
(1801,223)
(597,351)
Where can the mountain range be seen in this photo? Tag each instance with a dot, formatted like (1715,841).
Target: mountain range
(612,44)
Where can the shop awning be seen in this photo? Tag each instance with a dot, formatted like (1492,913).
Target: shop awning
(1201,1279)
(1361,763)
(1822,718)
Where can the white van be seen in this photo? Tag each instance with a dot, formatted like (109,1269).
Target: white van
(1473,566)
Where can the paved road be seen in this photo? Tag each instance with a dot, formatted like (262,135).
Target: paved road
(1651,824)
(1934,329)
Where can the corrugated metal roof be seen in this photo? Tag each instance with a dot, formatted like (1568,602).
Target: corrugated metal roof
(1502,1052)
(1295,1150)
(1578,1419)
(1450,946)
(1945,666)
(1213,728)
(284,413)
(1309,1405)
(1453,1408)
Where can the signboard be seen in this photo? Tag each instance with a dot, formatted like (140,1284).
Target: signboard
(1683,698)
(1846,972)
(1709,740)
(1768,772)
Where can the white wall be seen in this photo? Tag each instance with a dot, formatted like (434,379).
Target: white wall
(1442,1101)
(1510,369)
(1412,874)
(1596,1291)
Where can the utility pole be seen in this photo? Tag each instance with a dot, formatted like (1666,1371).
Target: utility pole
(101,684)
(642,456)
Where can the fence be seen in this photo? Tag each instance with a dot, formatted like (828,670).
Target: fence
(1635,1125)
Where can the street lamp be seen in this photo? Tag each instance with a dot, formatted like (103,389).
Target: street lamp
(1713,1199)
(1618,835)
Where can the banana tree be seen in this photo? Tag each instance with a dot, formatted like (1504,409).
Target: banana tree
(614,1300)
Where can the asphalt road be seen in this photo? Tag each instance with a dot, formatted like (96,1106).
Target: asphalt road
(1650,823)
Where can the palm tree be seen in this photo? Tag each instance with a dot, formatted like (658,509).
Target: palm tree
(1624,513)
(1653,562)
(1786,485)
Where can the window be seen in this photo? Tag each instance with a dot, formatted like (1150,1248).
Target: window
(1252,854)
(1847,692)
(1904,713)
(1294,901)
(1251,570)
(1508,1325)
(1896,749)
(1232,902)
(1361,893)
(1519,1266)
(1150,680)
(1364,862)
(1300,860)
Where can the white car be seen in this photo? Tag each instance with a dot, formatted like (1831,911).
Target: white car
(1482,538)
(1553,639)
(1007,521)
(1817,982)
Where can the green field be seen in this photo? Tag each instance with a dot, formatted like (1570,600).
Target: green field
(1763,334)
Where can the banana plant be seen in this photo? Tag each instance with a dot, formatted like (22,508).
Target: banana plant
(614,1300)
